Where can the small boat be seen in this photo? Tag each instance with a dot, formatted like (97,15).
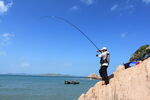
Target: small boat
(72,82)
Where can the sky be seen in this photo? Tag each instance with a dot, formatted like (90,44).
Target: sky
(32,44)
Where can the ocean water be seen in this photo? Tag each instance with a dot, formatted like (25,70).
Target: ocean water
(15,87)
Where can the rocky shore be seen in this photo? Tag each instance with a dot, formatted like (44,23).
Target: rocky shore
(126,84)
(94,76)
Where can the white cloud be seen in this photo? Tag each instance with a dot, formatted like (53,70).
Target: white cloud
(114,7)
(24,64)
(74,8)
(123,8)
(146,1)
(4,7)
(7,35)
(123,35)
(5,38)
(88,2)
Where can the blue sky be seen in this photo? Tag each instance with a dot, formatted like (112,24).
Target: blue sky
(29,44)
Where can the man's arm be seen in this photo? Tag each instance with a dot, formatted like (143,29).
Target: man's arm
(100,55)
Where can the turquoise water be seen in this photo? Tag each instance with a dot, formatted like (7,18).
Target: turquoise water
(41,88)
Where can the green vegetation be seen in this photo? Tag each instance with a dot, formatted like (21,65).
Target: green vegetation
(140,52)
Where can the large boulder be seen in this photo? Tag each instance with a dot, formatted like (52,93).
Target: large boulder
(127,84)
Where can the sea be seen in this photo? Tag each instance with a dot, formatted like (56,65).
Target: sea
(26,87)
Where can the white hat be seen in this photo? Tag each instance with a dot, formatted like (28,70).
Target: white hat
(104,48)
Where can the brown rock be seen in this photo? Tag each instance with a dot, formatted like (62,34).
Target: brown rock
(127,84)
(94,76)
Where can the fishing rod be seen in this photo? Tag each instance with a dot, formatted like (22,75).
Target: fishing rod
(77,28)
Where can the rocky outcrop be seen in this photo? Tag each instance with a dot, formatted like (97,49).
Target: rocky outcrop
(139,53)
(94,76)
(127,84)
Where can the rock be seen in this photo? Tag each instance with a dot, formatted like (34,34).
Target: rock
(127,84)
(139,53)
(148,47)
(94,76)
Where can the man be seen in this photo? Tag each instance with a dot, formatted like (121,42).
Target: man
(104,63)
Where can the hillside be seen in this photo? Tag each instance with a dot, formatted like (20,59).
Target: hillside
(138,54)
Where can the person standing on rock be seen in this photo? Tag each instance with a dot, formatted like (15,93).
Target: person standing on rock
(104,63)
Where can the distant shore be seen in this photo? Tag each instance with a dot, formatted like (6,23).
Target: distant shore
(44,75)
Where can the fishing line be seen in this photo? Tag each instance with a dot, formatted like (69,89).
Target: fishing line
(71,24)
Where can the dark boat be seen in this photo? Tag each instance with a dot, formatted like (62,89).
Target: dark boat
(72,82)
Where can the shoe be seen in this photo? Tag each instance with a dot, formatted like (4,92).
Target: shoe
(103,83)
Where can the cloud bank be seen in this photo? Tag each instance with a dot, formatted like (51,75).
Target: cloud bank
(4,7)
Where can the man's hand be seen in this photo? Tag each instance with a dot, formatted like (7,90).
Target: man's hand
(96,55)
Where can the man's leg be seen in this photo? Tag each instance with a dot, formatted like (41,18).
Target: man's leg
(103,74)
(106,75)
